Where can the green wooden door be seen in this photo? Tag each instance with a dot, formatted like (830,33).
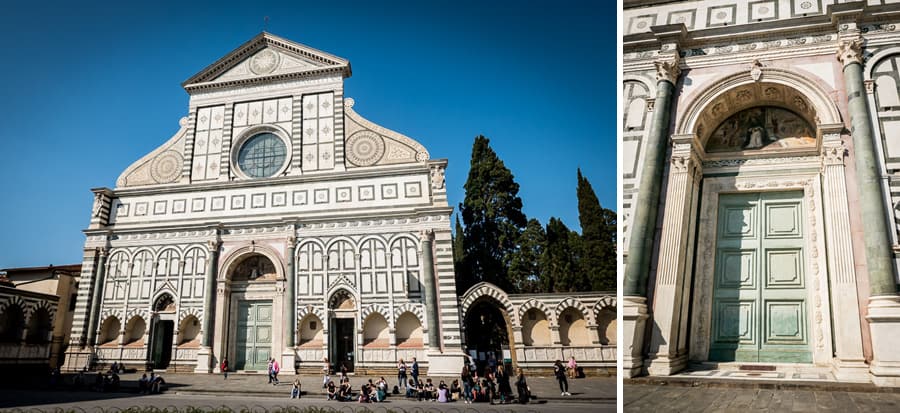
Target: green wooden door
(254,335)
(759,292)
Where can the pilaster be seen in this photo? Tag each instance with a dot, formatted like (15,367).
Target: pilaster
(634,318)
(668,350)
(849,364)
(205,354)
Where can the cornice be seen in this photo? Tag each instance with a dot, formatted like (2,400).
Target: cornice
(368,172)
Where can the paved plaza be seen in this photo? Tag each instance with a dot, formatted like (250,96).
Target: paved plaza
(750,397)
(251,391)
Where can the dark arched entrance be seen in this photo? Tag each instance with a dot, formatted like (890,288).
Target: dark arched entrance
(487,332)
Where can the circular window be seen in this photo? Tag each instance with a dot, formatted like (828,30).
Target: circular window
(262,155)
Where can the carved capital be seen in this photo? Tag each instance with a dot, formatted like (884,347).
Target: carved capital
(650,104)
(850,51)
(426,235)
(668,69)
(103,251)
(834,154)
(212,245)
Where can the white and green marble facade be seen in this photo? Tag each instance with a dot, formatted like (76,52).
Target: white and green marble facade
(832,64)
(349,210)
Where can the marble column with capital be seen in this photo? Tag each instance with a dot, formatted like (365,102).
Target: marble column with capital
(668,341)
(96,297)
(884,303)
(640,246)
(431,305)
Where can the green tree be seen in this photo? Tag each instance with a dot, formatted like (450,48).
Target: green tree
(597,259)
(493,218)
(524,267)
(458,251)
(558,262)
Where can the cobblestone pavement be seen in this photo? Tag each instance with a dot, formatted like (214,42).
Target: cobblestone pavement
(661,398)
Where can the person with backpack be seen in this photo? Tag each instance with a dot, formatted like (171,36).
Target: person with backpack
(466,378)
(560,371)
(522,386)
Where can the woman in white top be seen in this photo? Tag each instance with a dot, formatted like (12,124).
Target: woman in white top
(326,370)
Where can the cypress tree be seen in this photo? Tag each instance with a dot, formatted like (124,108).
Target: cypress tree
(458,252)
(559,270)
(598,244)
(524,267)
(493,218)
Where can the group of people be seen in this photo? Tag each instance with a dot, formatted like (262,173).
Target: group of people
(151,385)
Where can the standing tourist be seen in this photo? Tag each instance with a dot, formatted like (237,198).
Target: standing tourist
(269,370)
(326,370)
(415,371)
(224,366)
(401,374)
(466,378)
(492,364)
(522,386)
(503,385)
(560,372)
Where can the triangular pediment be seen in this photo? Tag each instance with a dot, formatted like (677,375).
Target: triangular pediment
(264,58)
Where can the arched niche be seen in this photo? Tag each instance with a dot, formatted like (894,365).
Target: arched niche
(254,267)
(375,331)
(409,331)
(109,332)
(573,328)
(798,98)
(164,303)
(536,328)
(341,300)
(40,325)
(311,332)
(189,333)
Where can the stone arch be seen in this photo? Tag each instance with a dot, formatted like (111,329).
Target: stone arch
(51,309)
(645,80)
(119,257)
(534,303)
(136,312)
(177,255)
(336,241)
(335,291)
(873,60)
(376,331)
(107,313)
(536,327)
(13,320)
(190,312)
(14,300)
(407,334)
(109,330)
(576,304)
(701,105)
(163,297)
(376,308)
(39,324)
(486,289)
(235,257)
(135,330)
(188,334)
(416,309)
(309,335)
(305,310)
(605,302)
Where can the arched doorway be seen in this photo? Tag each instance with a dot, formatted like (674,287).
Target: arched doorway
(252,285)
(342,329)
(487,333)
(488,319)
(162,331)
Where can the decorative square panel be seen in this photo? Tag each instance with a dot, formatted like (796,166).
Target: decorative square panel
(412,189)
(258,201)
(366,192)
(343,194)
(783,220)
(762,10)
(721,15)
(685,17)
(640,24)
(784,268)
(739,221)
(217,203)
(140,208)
(198,204)
(179,206)
(237,201)
(159,207)
(785,322)
(240,114)
(734,321)
(300,197)
(801,8)
(389,191)
(279,199)
(122,210)
(737,269)
(320,196)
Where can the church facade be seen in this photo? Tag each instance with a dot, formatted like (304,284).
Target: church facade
(279,223)
(760,147)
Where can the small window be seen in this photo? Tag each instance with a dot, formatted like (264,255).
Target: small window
(312,325)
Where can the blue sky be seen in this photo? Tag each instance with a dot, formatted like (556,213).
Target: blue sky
(90,88)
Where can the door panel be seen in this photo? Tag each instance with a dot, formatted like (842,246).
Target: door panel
(759,296)
(254,335)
